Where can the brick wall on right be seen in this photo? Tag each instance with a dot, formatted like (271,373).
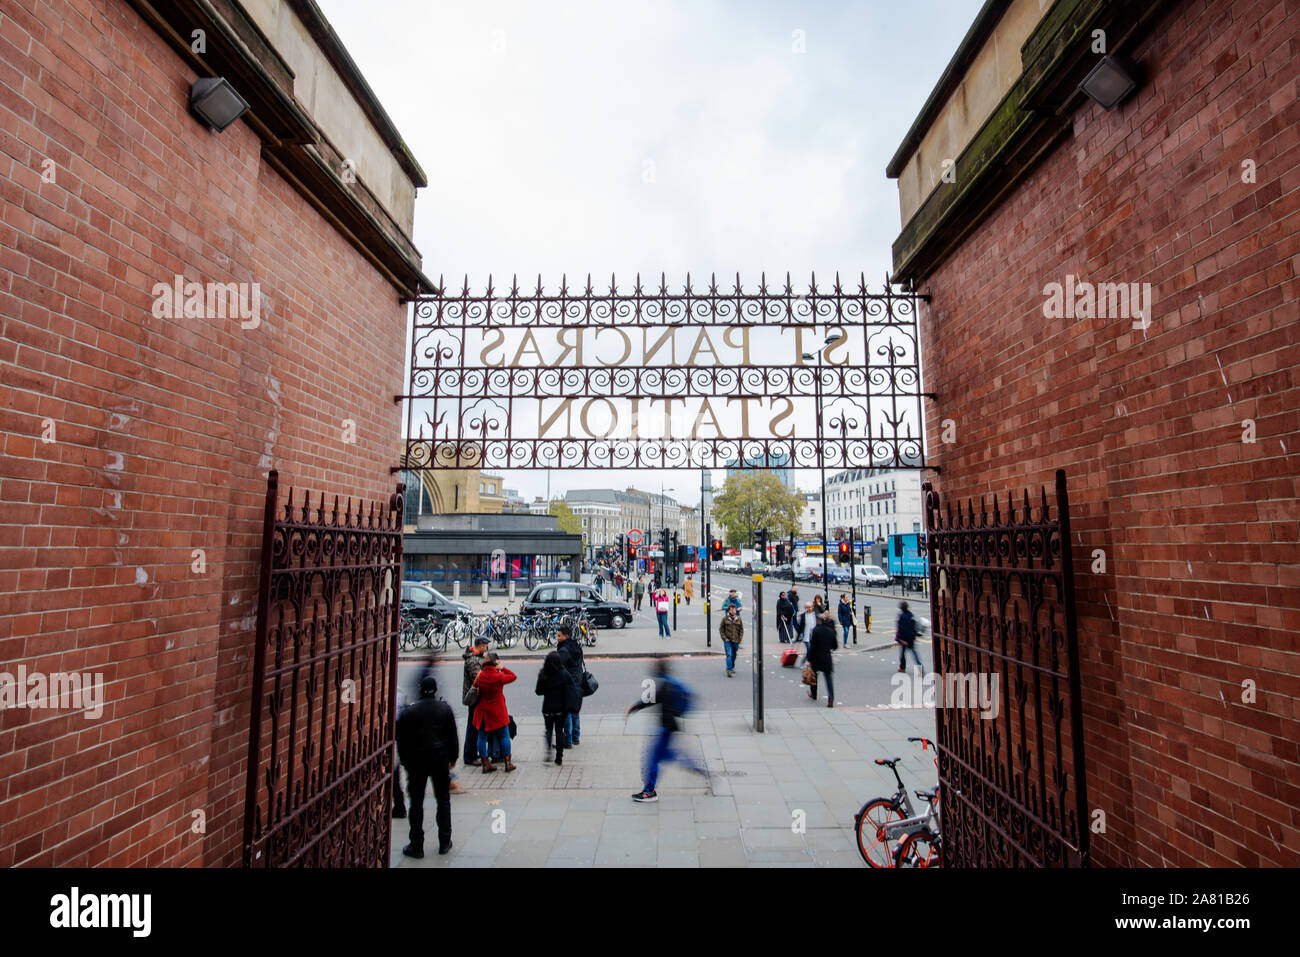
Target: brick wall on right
(1193,186)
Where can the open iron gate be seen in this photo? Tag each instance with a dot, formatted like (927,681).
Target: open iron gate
(320,755)
(1002,609)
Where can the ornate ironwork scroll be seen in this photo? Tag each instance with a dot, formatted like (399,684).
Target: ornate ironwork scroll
(1002,605)
(320,756)
(649,378)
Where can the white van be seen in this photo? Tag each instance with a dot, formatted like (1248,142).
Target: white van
(812,564)
(730,563)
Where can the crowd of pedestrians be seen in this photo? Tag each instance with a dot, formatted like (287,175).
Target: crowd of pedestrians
(428,744)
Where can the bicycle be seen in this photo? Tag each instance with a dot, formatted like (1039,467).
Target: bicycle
(884,824)
(540,631)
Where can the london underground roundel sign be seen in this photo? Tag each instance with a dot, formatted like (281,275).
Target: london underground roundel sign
(634,536)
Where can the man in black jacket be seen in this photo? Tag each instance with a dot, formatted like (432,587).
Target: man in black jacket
(570,652)
(427,744)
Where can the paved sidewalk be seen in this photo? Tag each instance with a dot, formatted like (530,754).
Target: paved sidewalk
(812,767)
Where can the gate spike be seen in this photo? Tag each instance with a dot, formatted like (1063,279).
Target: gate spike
(762,283)
(334,518)
(862,284)
(984,512)
(738,284)
(347,516)
(837,282)
(465,293)
(812,284)
(1028,514)
(663,284)
(613,288)
(1044,491)
(539,285)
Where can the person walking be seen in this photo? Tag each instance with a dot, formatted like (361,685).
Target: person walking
(819,606)
(731,601)
(673,700)
(784,615)
(845,611)
(473,664)
(905,636)
(793,595)
(570,652)
(560,698)
(662,606)
(688,589)
(427,744)
(492,716)
(802,623)
(399,797)
(639,592)
(731,630)
(820,645)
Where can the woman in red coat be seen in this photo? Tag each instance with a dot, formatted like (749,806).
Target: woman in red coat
(491,716)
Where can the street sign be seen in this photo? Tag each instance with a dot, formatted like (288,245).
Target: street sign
(634,536)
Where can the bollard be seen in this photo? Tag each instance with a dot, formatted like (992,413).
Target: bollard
(455,590)
(676,598)
(511,589)
(485,586)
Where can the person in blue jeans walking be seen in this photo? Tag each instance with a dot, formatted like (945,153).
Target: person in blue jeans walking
(662,605)
(674,701)
(906,638)
(731,630)
(845,611)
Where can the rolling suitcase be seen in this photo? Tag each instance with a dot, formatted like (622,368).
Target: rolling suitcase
(789,657)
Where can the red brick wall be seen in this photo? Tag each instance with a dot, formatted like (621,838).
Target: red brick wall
(1199,528)
(165,430)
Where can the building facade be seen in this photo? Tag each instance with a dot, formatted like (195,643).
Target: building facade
(1175,422)
(874,503)
(140,429)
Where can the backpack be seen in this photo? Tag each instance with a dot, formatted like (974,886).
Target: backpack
(680,703)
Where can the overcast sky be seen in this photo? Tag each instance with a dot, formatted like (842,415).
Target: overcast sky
(655,136)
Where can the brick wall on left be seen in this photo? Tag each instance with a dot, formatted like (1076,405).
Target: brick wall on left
(163,431)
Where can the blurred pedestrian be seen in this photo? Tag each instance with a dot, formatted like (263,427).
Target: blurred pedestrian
(688,589)
(732,600)
(731,630)
(570,652)
(492,716)
(560,698)
(845,611)
(674,701)
(905,636)
(819,605)
(639,592)
(820,645)
(427,744)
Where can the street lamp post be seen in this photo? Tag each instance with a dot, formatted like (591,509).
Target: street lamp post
(821,465)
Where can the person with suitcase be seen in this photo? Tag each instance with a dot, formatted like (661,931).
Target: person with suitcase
(784,613)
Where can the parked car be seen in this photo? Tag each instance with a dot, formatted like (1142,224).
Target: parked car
(551,597)
(839,574)
(871,575)
(448,607)
(418,602)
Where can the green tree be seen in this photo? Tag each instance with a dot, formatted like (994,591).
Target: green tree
(754,500)
(568,521)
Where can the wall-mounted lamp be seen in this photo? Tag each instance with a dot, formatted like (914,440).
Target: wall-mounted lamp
(1109,82)
(216,103)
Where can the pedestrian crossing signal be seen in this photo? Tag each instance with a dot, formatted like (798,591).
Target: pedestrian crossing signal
(844,549)
(715,549)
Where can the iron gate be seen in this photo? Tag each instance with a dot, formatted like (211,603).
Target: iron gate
(320,756)
(1002,607)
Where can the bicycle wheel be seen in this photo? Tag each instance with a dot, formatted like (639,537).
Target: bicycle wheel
(918,849)
(877,849)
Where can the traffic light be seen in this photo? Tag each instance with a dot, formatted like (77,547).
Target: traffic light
(683,554)
(620,546)
(844,550)
(715,550)
(762,544)
(631,553)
